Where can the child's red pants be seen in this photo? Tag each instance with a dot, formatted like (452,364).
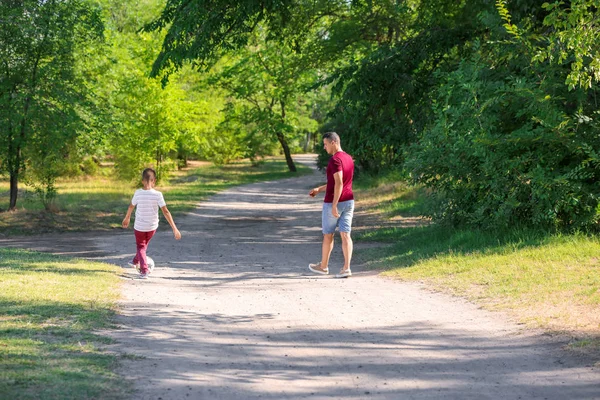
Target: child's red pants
(141,240)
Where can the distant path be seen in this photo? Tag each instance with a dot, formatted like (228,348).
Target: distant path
(233,313)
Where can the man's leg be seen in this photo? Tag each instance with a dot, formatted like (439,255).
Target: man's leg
(347,247)
(326,249)
(328,224)
(345,224)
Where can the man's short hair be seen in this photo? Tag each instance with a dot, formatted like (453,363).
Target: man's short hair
(148,173)
(332,136)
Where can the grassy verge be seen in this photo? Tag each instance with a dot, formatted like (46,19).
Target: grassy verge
(49,307)
(99,203)
(546,281)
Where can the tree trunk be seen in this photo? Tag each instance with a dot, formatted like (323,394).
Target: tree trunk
(286,151)
(14,190)
(13,174)
(284,145)
(14,164)
(15,168)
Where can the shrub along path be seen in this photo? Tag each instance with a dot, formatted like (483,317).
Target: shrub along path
(232,312)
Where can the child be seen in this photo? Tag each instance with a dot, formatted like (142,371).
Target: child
(147,201)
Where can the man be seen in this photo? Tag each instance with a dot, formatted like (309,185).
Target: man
(338,206)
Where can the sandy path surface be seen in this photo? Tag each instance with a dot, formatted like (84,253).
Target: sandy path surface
(231,312)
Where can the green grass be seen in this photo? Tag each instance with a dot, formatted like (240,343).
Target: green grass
(549,281)
(100,203)
(390,195)
(50,307)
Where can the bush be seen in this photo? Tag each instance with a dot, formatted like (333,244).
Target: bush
(89,166)
(507,148)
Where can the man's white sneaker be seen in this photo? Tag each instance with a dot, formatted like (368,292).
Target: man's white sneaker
(316,268)
(344,274)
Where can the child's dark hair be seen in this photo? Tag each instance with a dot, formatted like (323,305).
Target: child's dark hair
(148,173)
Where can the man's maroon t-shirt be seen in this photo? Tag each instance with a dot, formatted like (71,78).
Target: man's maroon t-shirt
(340,161)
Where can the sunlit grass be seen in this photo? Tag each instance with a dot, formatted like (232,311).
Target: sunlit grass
(50,309)
(549,281)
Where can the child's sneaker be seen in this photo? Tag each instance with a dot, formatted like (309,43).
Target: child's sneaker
(143,276)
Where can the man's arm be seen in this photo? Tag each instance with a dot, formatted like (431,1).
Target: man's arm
(317,190)
(169,218)
(337,192)
(125,222)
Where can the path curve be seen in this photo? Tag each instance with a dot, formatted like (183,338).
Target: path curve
(231,312)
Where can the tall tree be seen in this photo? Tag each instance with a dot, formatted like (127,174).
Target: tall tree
(202,30)
(266,77)
(39,91)
(145,123)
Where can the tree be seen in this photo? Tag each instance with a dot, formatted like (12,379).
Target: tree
(39,83)
(203,30)
(147,123)
(201,115)
(268,75)
(268,79)
(515,140)
(574,40)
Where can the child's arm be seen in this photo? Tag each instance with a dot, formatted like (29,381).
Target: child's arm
(128,216)
(169,218)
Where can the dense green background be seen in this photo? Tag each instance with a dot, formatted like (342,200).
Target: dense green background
(490,105)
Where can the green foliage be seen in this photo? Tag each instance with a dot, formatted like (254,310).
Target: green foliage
(510,145)
(263,71)
(490,104)
(41,90)
(142,123)
(385,96)
(201,113)
(473,98)
(574,40)
(203,31)
(89,166)
(145,123)
(265,83)
(227,143)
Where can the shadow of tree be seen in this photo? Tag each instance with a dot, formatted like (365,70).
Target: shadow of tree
(389,362)
(48,350)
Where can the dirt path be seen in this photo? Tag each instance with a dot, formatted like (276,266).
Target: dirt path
(233,313)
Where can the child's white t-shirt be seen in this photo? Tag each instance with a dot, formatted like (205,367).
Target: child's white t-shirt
(146,214)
